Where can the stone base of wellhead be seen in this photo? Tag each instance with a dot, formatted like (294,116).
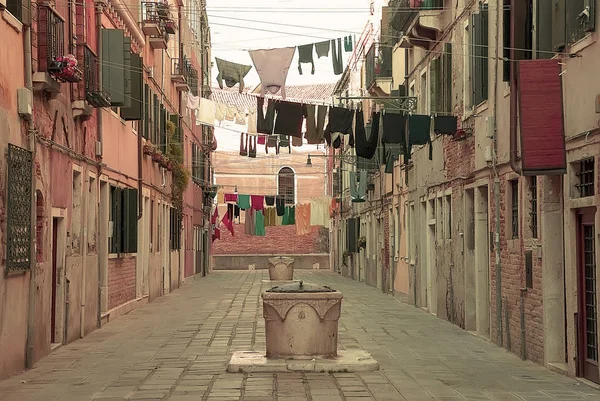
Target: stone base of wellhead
(279,282)
(346,361)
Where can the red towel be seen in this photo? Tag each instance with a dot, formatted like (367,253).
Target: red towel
(258,202)
(262,139)
(231,197)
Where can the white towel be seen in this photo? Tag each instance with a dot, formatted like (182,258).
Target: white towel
(192,101)
(206,112)
(221,109)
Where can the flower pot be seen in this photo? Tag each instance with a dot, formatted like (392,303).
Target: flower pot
(148,150)
(170,27)
(170,166)
(156,157)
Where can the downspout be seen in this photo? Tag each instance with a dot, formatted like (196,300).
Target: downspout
(32,251)
(179,124)
(513,97)
(99,10)
(497,183)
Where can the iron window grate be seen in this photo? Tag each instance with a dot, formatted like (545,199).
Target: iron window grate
(534,204)
(590,293)
(586,178)
(514,187)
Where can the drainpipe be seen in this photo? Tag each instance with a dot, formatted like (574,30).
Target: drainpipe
(513,98)
(32,252)
(497,179)
(99,10)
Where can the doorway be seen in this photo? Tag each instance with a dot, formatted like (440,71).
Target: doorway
(482,263)
(58,304)
(587,349)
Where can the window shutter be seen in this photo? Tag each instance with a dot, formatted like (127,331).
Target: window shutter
(146,110)
(20,9)
(446,78)
(559,20)
(506,21)
(118,221)
(475,60)
(590,24)
(484,52)
(127,72)
(434,93)
(135,110)
(155,121)
(544,29)
(575,29)
(130,226)
(162,129)
(113,73)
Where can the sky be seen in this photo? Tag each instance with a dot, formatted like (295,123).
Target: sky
(241,25)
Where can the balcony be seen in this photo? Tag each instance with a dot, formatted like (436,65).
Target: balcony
(154,18)
(159,41)
(378,68)
(89,90)
(422,27)
(401,18)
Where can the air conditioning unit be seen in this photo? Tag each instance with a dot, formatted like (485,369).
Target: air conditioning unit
(24,102)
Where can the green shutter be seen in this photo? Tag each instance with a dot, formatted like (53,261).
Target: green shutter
(146,111)
(177,137)
(484,51)
(475,60)
(559,21)
(575,29)
(130,226)
(446,78)
(113,73)
(434,85)
(135,110)
(127,72)
(162,129)
(543,29)
(155,121)
(479,73)
(590,24)
(117,207)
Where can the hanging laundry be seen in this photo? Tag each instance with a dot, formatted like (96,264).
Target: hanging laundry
(252,146)
(319,211)
(258,202)
(236,213)
(322,49)
(272,142)
(284,142)
(221,110)
(248,222)
(305,55)
(419,127)
(265,122)
(231,73)
(231,198)
(280,202)
(206,113)
(278,220)
(272,67)
(192,101)
(270,200)
(244,202)
(392,153)
(243,144)
(262,140)
(220,198)
(252,122)
(348,43)
(340,122)
(230,113)
(394,128)
(290,117)
(303,212)
(259,224)
(315,123)
(445,125)
(336,56)
(228,221)
(296,141)
(270,216)
(366,148)
(289,216)
(216,233)
(240,118)
(358,193)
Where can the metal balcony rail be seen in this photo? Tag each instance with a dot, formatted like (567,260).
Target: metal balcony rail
(154,12)
(93,94)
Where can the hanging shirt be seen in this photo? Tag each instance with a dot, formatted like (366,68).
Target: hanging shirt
(270,200)
(270,216)
(272,67)
(319,211)
(358,186)
(231,198)
(322,48)
(340,122)
(220,112)
(305,55)
(258,202)
(249,221)
(265,122)
(394,128)
(290,117)
(244,202)
(280,202)
(262,140)
(336,56)
(419,127)
(220,198)
(315,123)
(228,221)
(366,147)
(231,73)
(260,224)
(303,219)
(272,142)
(252,122)
(206,112)
(230,112)
(284,142)
(348,43)
(297,142)
(392,153)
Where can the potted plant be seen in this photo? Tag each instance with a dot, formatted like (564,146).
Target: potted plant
(148,149)
(164,162)
(156,156)
(345,258)
(170,26)
(162,9)
(362,243)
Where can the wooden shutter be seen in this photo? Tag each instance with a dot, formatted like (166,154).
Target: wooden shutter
(434,85)
(590,24)
(130,226)
(559,21)
(146,110)
(162,129)
(544,28)
(446,78)
(155,121)
(117,218)
(136,108)
(484,36)
(480,55)
(127,72)
(177,137)
(113,73)
(20,9)
(475,60)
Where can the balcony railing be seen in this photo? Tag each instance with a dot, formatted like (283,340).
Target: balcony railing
(401,16)
(90,89)
(156,19)
(378,63)
(51,48)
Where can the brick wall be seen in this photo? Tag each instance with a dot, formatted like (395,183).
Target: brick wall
(278,240)
(121,281)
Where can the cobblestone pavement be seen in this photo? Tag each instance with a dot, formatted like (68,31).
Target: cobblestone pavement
(177,347)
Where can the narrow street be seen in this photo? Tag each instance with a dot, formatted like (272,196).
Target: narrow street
(177,348)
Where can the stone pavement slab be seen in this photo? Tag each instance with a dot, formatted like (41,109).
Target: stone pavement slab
(177,349)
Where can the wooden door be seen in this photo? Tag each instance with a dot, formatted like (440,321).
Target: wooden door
(54,280)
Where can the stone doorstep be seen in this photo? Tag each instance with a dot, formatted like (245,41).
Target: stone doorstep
(279,282)
(346,361)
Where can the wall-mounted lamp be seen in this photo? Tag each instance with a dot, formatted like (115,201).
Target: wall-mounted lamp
(308,161)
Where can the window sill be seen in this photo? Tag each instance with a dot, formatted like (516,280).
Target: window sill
(583,43)
(12,21)
(481,107)
(121,255)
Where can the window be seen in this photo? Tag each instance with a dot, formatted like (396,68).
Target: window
(534,202)
(467,80)
(441,82)
(569,23)
(76,207)
(20,9)
(92,216)
(514,205)
(123,220)
(424,95)
(448,211)
(197,164)
(51,38)
(585,175)
(286,183)
(175,230)
(479,55)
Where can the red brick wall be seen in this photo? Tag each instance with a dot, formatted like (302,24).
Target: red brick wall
(278,239)
(121,281)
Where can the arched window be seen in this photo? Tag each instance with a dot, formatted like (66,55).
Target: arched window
(286,181)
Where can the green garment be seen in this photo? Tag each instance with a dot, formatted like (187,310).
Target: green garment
(392,152)
(243,202)
(419,127)
(260,224)
(289,217)
(231,73)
